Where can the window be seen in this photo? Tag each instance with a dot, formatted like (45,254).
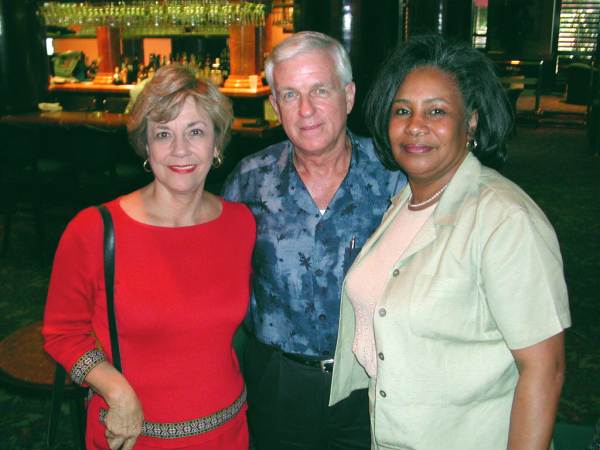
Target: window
(578,32)
(480,10)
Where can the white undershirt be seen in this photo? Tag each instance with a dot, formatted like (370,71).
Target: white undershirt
(367,279)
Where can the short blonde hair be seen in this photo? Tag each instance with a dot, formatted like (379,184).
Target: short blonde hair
(162,100)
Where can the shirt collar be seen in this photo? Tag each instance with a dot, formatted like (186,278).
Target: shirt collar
(295,186)
(446,212)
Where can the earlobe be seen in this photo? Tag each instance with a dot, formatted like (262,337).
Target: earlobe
(217,158)
(471,130)
(472,124)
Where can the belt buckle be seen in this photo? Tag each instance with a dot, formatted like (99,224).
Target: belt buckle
(326,364)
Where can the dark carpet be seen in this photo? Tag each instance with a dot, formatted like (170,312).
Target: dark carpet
(554,165)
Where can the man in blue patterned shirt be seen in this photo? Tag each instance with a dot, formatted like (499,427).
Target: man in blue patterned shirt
(316,197)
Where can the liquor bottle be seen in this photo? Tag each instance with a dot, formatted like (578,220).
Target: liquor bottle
(131,70)
(123,74)
(225,63)
(216,76)
(152,61)
(117,75)
(193,65)
(206,67)
(141,73)
(152,65)
(92,70)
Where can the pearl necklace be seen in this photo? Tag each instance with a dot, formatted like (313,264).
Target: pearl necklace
(425,204)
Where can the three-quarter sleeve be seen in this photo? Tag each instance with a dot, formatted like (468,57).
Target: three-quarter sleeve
(74,286)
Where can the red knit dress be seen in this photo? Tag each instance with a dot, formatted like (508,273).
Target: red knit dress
(180,294)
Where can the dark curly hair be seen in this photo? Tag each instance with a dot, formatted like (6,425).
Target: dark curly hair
(475,77)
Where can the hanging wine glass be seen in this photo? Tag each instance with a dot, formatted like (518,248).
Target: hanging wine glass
(155,15)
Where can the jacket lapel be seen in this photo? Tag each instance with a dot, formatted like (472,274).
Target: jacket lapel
(444,215)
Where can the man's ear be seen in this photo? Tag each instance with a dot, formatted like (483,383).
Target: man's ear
(350,91)
(275,106)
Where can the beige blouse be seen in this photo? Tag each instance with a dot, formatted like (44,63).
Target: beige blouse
(365,281)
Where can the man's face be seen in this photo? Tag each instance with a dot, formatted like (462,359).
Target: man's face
(311,103)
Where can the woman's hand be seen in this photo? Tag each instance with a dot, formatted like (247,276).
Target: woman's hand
(125,415)
(541,374)
(124,421)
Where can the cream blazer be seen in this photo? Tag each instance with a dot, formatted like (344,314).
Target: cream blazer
(484,275)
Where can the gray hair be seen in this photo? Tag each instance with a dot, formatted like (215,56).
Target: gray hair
(307,41)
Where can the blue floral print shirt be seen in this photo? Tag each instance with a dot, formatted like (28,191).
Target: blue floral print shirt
(301,255)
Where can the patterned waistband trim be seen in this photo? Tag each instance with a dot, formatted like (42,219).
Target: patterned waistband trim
(194,427)
(87,362)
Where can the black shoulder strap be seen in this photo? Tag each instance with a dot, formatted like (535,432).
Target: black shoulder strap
(109,276)
(109,279)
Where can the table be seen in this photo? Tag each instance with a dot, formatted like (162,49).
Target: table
(519,75)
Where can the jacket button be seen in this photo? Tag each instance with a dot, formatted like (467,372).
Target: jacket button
(396,272)
(382,312)
(383,394)
(381,356)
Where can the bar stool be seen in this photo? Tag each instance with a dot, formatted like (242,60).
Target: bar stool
(25,367)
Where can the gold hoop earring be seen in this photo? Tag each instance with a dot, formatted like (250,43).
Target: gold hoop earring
(146,166)
(217,160)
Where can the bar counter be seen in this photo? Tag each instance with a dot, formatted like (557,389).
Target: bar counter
(90,96)
(108,120)
(123,89)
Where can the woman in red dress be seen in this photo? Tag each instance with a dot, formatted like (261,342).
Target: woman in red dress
(182,270)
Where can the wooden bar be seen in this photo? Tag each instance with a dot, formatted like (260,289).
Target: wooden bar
(91,87)
(107,120)
(89,96)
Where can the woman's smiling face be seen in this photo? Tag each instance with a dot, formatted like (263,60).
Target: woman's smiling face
(428,132)
(181,151)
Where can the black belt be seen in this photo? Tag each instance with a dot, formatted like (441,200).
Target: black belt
(326,365)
